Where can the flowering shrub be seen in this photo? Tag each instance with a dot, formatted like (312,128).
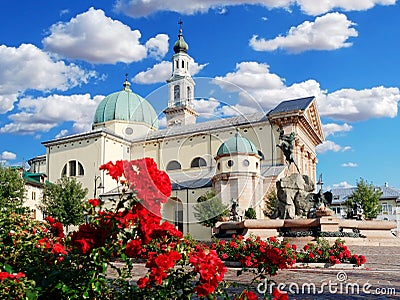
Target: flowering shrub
(323,252)
(37,261)
(266,255)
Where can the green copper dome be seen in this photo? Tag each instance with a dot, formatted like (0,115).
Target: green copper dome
(180,44)
(237,144)
(127,106)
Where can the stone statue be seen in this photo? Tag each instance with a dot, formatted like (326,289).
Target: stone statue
(287,146)
(234,215)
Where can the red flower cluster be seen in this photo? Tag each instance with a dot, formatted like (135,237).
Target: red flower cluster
(114,170)
(88,236)
(6,275)
(247,295)
(279,295)
(210,267)
(56,227)
(335,254)
(94,202)
(256,253)
(159,265)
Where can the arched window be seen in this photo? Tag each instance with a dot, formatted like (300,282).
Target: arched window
(189,93)
(81,172)
(173,165)
(73,168)
(198,162)
(177,92)
(183,64)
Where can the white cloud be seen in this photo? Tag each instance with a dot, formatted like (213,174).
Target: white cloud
(350,165)
(62,133)
(313,7)
(158,46)
(343,184)
(332,128)
(356,105)
(328,32)
(6,155)
(162,71)
(45,113)
(207,108)
(141,8)
(93,37)
(331,146)
(259,89)
(16,65)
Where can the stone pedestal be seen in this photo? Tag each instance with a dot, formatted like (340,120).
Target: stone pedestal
(328,224)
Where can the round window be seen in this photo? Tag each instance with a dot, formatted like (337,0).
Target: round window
(230,163)
(128,130)
(246,163)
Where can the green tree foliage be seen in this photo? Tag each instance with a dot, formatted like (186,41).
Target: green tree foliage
(270,200)
(250,213)
(368,197)
(64,201)
(208,210)
(12,189)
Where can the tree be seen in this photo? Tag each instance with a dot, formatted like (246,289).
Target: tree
(250,213)
(270,200)
(208,210)
(367,196)
(64,201)
(12,189)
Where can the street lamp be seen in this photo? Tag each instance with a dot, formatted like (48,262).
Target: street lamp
(100,186)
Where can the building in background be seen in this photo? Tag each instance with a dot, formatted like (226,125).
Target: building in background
(236,156)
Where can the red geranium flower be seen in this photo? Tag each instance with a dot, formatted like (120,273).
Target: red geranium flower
(94,202)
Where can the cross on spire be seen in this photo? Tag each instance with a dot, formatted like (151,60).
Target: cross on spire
(180,24)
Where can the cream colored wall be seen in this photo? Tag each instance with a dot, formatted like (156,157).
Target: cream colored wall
(33,196)
(188,198)
(91,153)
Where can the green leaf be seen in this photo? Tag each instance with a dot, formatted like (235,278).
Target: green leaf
(8,268)
(86,295)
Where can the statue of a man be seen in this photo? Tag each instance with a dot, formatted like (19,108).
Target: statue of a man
(287,146)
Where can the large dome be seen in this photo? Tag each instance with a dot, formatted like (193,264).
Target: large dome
(126,106)
(237,144)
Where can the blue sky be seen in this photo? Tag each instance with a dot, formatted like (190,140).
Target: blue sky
(58,59)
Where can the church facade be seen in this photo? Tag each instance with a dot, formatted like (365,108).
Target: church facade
(237,157)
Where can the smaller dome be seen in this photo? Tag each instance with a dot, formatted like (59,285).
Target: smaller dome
(180,44)
(237,144)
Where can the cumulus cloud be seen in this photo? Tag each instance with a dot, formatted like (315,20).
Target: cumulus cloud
(207,108)
(162,71)
(343,184)
(6,155)
(329,32)
(313,7)
(142,8)
(45,113)
(158,46)
(16,65)
(259,89)
(357,105)
(96,38)
(62,133)
(331,146)
(350,165)
(332,128)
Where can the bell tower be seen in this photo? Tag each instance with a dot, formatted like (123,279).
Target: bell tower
(180,109)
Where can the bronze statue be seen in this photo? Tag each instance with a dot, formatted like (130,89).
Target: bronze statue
(287,146)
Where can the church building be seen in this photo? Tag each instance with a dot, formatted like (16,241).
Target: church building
(237,157)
